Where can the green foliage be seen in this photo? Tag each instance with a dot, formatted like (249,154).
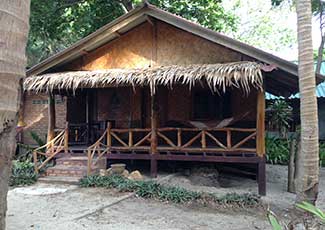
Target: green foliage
(56,24)
(274,221)
(177,194)
(322,154)
(27,154)
(208,13)
(312,209)
(22,173)
(40,141)
(280,114)
(277,150)
(263,24)
(245,199)
(153,190)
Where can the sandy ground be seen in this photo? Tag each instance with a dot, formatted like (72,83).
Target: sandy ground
(66,209)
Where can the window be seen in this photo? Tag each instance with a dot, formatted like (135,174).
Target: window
(207,106)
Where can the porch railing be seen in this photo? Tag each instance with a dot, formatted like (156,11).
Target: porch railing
(51,149)
(179,139)
(173,139)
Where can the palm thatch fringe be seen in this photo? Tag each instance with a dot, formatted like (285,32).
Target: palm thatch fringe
(243,75)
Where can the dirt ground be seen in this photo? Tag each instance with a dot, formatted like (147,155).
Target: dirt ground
(71,207)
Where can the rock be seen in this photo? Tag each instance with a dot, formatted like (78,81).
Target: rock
(102,172)
(135,175)
(125,173)
(109,172)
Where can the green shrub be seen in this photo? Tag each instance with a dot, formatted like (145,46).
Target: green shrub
(280,115)
(177,194)
(322,154)
(246,199)
(27,150)
(22,173)
(277,150)
(154,190)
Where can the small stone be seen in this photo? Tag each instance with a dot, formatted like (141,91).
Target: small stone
(109,172)
(102,172)
(135,175)
(125,173)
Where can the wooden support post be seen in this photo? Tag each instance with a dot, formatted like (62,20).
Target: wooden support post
(66,138)
(153,166)
(89,162)
(179,137)
(203,140)
(261,177)
(154,139)
(130,138)
(260,124)
(228,139)
(35,162)
(109,137)
(154,121)
(51,118)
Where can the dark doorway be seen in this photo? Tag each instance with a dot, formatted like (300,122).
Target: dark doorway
(81,115)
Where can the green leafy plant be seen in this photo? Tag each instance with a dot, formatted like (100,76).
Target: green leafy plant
(322,154)
(277,150)
(246,199)
(305,206)
(40,141)
(312,209)
(22,173)
(153,190)
(274,221)
(27,153)
(279,116)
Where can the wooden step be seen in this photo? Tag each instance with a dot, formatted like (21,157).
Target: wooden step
(73,161)
(79,161)
(71,171)
(74,166)
(60,180)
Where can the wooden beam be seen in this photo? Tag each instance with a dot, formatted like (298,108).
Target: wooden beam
(51,118)
(260,124)
(154,139)
(154,122)
(66,138)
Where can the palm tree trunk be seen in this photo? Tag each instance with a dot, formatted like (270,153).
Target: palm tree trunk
(308,159)
(14,16)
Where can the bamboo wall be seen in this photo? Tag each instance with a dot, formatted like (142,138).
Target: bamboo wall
(135,50)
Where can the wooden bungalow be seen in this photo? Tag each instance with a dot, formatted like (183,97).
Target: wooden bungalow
(153,86)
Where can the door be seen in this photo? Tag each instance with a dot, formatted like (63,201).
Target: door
(77,116)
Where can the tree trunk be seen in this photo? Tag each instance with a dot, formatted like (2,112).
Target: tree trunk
(291,166)
(14,15)
(308,159)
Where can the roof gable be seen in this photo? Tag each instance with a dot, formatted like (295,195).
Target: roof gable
(284,82)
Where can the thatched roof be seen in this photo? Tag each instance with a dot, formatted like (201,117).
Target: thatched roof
(218,77)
